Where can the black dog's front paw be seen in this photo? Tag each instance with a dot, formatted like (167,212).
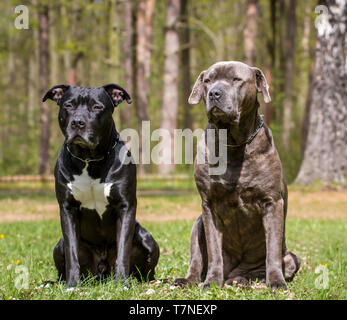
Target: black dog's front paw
(73,281)
(122,278)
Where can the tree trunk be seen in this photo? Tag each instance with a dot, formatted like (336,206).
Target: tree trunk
(270,67)
(170,89)
(305,121)
(126,114)
(250,32)
(325,156)
(77,25)
(289,71)
(45,120)
(145,10)
(268,106)
(185,65)
(305,90)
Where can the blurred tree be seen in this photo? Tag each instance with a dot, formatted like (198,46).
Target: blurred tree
(271,66)
(250,32)
(128,46)
(185,69)
(44,75)
(170,89)
(145,9)
(325,156)
(289,71)
(78,52)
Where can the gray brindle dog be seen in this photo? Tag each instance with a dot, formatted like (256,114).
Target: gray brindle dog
(240,235)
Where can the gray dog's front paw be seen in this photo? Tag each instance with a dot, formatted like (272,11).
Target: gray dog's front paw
(182,282)
(276,280)
(217,280)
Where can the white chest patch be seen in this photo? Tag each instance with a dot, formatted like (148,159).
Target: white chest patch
(90,192)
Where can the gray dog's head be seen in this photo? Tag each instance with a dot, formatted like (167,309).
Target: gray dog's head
(229,89)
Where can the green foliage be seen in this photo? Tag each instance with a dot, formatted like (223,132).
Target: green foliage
(92,32)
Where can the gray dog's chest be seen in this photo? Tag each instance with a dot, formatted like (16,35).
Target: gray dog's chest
(92,193)
(236,197)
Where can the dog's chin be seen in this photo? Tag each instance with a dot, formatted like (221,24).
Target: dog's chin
(80,143)
(222,119)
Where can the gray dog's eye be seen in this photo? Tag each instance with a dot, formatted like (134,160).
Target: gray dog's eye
(237,79)
(207,80)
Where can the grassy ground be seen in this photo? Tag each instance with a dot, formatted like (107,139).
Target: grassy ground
(29,229)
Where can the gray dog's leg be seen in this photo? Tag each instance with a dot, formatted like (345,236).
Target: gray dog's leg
(214,247)
(198,256)
(273,221)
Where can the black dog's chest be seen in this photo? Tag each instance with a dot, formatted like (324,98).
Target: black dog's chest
(91,193)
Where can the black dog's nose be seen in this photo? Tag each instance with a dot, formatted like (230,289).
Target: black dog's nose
(78,123)
(215,93)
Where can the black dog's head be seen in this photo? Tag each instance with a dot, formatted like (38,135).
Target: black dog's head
(229,89)
(85,115)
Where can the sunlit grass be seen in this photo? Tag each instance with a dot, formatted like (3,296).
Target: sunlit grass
(31,243)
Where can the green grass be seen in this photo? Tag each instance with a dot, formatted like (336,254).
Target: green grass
(147,182)
(30,244)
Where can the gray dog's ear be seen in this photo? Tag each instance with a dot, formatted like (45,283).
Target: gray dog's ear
(261,84)
(117,94)
(56,92)
(198,89)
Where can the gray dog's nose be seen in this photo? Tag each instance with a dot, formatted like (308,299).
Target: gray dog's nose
(78,123)
(215,93)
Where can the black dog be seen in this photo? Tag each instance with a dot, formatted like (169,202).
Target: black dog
(96,191)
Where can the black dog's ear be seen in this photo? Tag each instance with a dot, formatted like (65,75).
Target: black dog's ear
(117,94)
(198,89)
(56,92)
(261,84)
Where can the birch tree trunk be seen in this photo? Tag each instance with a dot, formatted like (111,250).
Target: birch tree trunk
(45,119)
(325,156)
(170,89)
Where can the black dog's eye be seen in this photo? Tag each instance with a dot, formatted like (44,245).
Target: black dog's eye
(97,107)
(207,81)
(68,105)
